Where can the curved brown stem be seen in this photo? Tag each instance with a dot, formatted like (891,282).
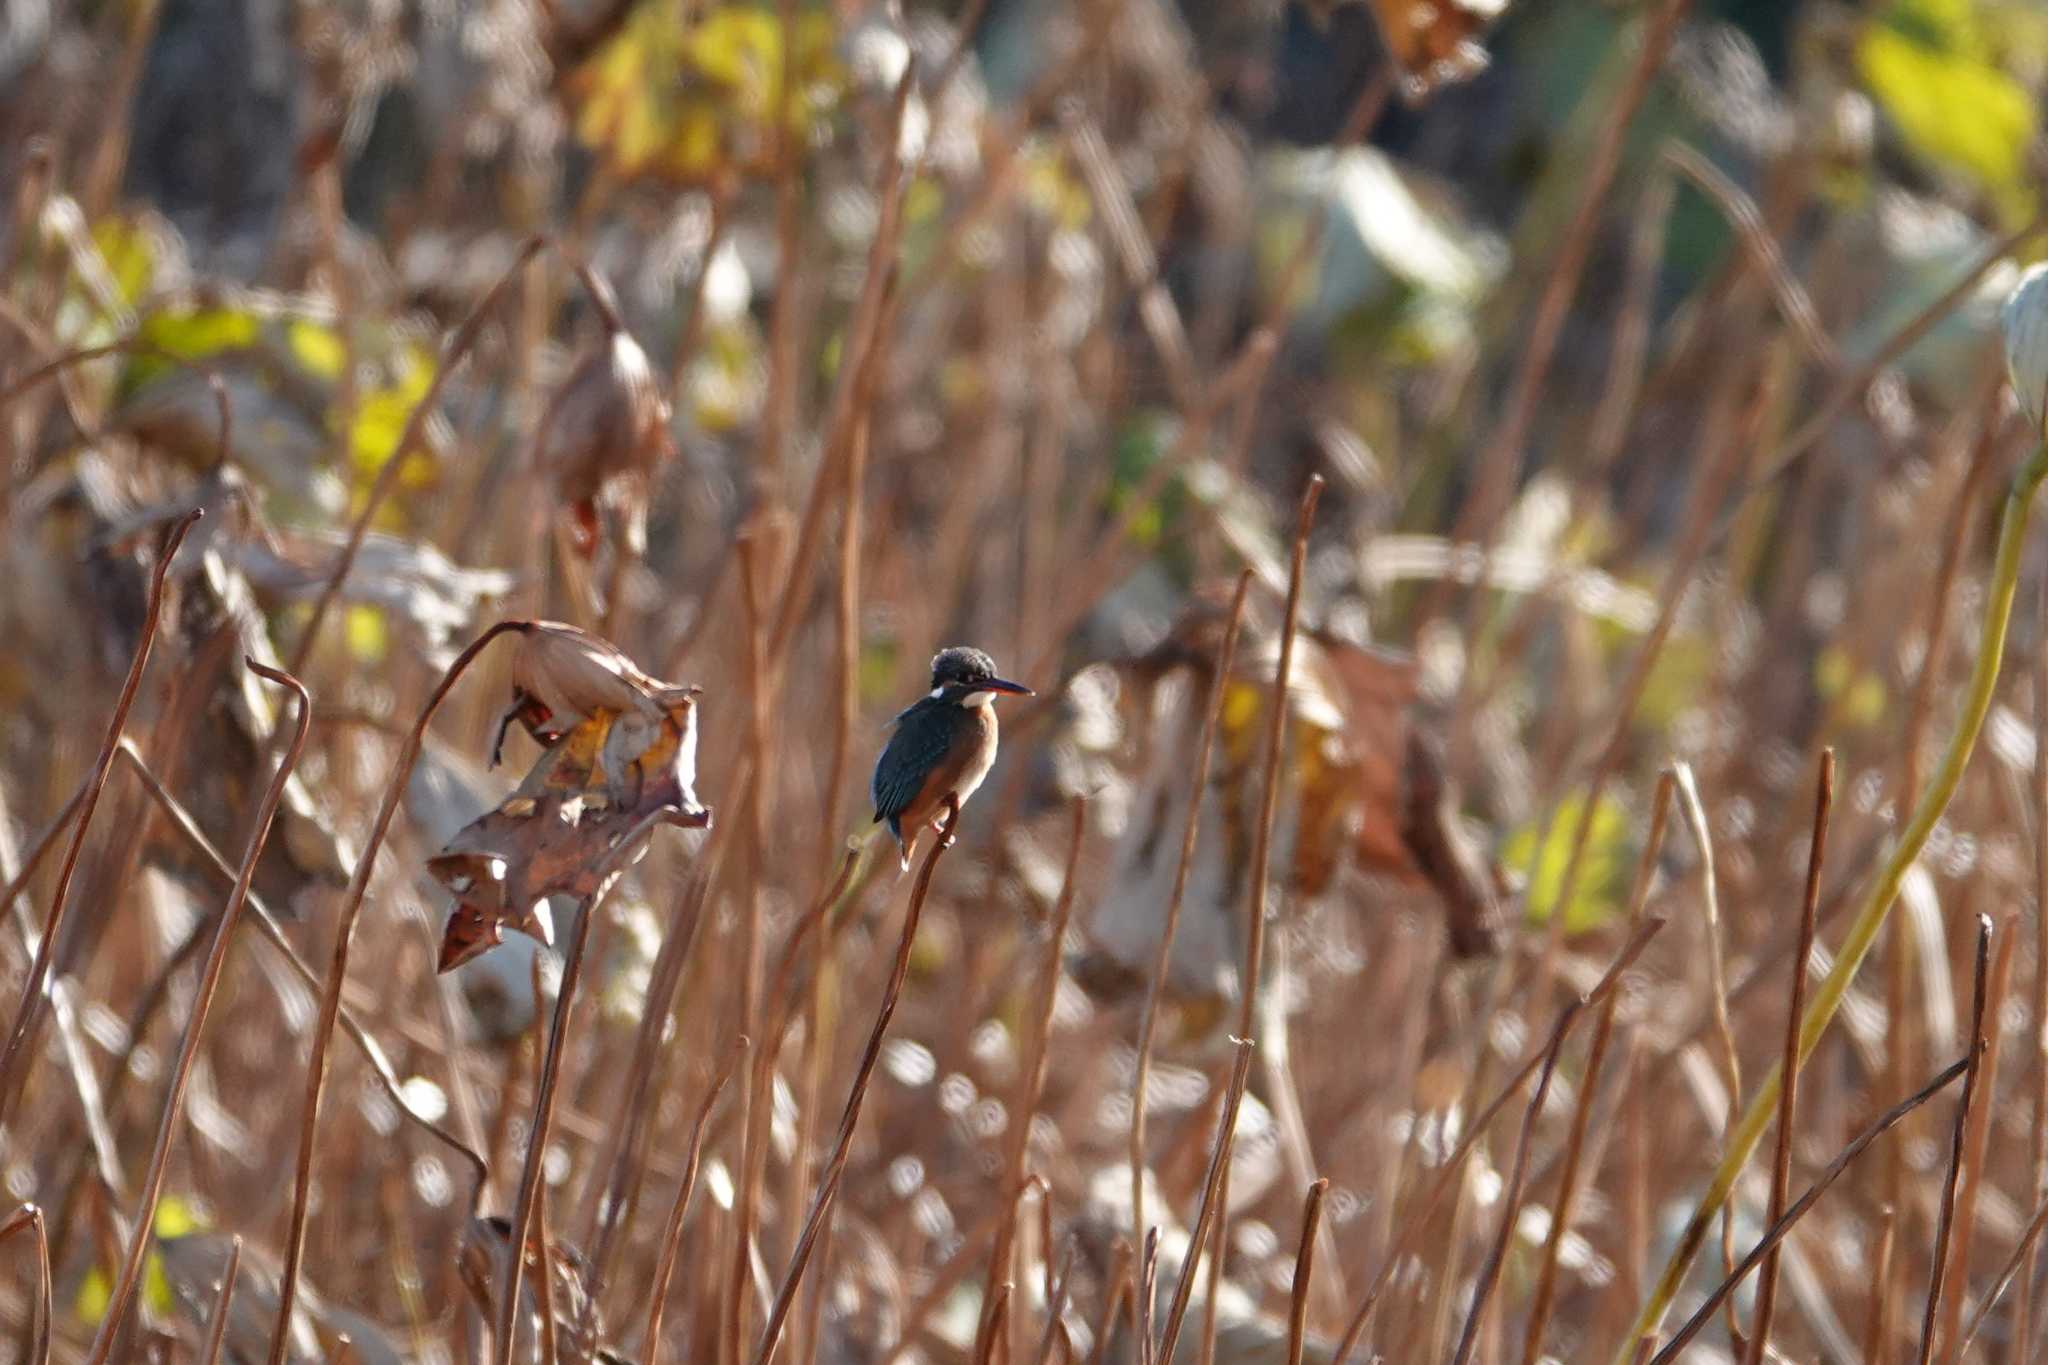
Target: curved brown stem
(835,1167)
(30,1217)
(546,1090)
(672,1234)
(188,1051)
(15,1058)
(458,346)
(337,975)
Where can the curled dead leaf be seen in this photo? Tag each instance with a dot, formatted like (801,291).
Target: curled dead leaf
(622,748)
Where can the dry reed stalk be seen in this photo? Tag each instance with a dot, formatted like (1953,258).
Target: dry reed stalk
(1742,214)
(1055,1300)
(759,1078)
(1147,1296)
(1148,1021)
(1717,984)
(1851,388)
(944,1281)
(17,1057)
(1262,849)
(1901,1038)
(2024,1249)
(997,1327)
(620,1193)
(1669,1352)
(1975,1132)
(672,1232)
(1119,1287)
(1212,1189)
(1036,1039)
(1304,1269)
(1582,1112)
(459,343)
(273,933)
(866,334)
(1726,451)
(1448,1172)
(2023,1306)
(30,1217)
(1945,1223)
(2014,516)
(337,976)
(835,1166)
(1788,1098)
(1500,457)
(536,1241)
(1511,1201)
(188,1050)
(217,1323)
(753,1101)
(608,873)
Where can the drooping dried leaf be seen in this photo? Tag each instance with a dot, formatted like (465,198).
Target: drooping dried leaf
(605,430)
(1364,790)
(554,835)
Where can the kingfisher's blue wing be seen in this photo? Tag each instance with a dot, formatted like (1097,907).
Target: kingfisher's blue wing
(918,745)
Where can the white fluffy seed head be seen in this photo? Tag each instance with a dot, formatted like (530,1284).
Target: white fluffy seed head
(2025,321)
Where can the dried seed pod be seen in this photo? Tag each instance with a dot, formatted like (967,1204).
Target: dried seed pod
(606,427)
(2025,320)
(562,675)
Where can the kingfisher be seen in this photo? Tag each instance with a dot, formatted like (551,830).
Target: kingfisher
(942,747)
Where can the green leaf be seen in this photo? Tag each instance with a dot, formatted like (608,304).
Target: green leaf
(1596,899)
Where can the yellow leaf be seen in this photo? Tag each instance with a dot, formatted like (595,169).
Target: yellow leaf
(174,1218)
(316,347)
(368,638)
(1951,105)
(129,254)
(198,333)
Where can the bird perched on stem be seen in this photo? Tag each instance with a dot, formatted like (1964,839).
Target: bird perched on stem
(942,746)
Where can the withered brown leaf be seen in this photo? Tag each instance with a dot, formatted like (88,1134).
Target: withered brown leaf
(596,784)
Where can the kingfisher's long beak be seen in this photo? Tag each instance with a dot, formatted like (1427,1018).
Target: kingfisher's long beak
(1005,685)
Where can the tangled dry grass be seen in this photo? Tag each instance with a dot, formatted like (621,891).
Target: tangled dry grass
(1501,649)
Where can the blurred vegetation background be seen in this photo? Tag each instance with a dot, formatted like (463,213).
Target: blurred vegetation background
(1646,350)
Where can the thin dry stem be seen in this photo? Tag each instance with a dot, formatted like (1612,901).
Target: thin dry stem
(545,1091)
(1148,1022)
(835,1167)
(459,344)
(1448,1175)
(1304,1269)
(337,976)
(1788,1098)
(18,1054)
(1945,1224)
(188,1050)
(1596,1055)
(30,1217)
(1036,1037)
(1511,1201)
(1674,1348)
(217,1324)
(1219,1162)
(672,1232)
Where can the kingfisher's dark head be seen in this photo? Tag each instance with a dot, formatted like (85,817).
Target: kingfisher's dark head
(968,677)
